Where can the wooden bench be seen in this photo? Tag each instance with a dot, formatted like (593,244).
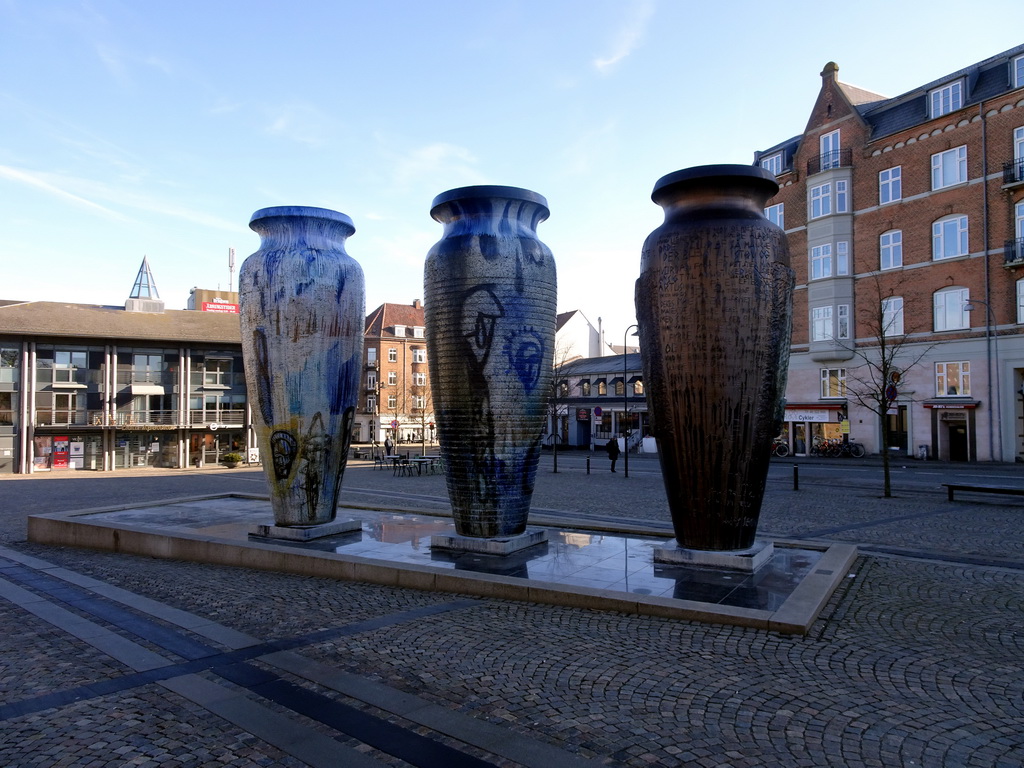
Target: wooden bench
(973,488)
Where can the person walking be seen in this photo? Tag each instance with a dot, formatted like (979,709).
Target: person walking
(612,446)
(388,445)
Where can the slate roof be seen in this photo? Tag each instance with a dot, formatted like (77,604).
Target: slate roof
(92,321)
(609,365)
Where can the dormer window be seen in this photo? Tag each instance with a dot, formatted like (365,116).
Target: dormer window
(417,331)
(400,330)
(1018,72)
(772,163)
(948,98)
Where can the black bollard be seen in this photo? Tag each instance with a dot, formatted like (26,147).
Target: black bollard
(588,465)
(796,477)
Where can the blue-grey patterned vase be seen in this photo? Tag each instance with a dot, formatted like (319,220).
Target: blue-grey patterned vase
(490,302)
(302,310)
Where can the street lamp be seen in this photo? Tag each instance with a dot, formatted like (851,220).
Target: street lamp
(991,354)
(625,400)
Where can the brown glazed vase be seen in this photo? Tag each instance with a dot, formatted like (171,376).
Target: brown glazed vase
(714,306)
(490,303)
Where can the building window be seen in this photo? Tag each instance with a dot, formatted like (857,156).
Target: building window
(833,382)
(948,98)
(585,388)
(417,331)
(371,380)
(371,404)
(772,163)
(776,214)
(950,314)
(821,261)
(217,373)
(949,237)
(892,316)
(891,248)
(419,379)
(952,379)
(821,200)
(821,324)
(842,258)
(843,321)
(392,378)
(1018,72)
(147,368)
(6,408)
(419,402)
(65,365)
(890,185)
(400,331)
(419,355)
(949,167)
(1020,301)
(371,355)
(9,364)
(602,388)
(392,402)
(392,355)
(842,199)
(829,144)
(563,388)
(620,387)
(638,387)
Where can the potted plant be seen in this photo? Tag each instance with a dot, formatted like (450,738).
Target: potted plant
(231,460)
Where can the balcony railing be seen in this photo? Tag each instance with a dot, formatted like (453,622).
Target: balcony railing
(1013,252)
(221,418)
(156,418)
(1013,172)
(837,158)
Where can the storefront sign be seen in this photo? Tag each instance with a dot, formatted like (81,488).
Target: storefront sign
(61,452)
(807,415)
(582,414)
(219,305)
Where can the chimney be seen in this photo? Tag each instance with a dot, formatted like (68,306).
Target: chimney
(417,304)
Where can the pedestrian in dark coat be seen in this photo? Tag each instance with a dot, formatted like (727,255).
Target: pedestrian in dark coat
(612,446)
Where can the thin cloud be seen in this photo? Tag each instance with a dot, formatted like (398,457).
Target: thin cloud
(437,160)
(301,123)
(37,182)
(629,36)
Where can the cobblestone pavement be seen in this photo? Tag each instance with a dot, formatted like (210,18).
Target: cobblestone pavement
(112,660)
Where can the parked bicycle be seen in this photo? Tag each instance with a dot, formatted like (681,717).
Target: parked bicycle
(779,448)
(836,448)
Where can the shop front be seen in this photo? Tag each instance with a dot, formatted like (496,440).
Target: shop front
(809,424)
(954,436)
(67,451)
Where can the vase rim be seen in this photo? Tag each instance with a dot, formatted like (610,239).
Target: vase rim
(489,191)
(307,211)
(723,171)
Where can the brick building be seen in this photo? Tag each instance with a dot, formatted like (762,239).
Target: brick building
(905,219)
(396,397)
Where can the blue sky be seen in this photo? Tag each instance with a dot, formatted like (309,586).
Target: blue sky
(156,128)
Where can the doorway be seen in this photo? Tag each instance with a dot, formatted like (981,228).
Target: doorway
(958,448)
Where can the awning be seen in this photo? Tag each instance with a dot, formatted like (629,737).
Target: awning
(147,389)
(951,404)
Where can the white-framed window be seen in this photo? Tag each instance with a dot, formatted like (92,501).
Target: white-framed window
(948,98)
(829,145)
(1020,300)
(392,355)
(392,378)
(776,214)
(821,261)
(419,402)
(585,388)
(419,355)
(371,403)
(392,402)
(842,258)
(371,380)
(772,163)
(843,321)
(949,167)
(833,382)
(419,379)
(949,237)
(1018,72)
(949,304)
(890,185)
(1019,218)
(400,331)
(842,198)
(821,324)
(890,247)
(892,316)
(417,331)
(371,355)
(602,388)
(952,379)
(821,200)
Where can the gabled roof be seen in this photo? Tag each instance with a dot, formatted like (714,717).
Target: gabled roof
(382,320)
(90,321)
(610,365)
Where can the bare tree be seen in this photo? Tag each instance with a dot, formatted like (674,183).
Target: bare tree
(887,351)
(557,401)
(422,412)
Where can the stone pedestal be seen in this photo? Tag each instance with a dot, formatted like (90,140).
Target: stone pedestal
(499,545)
(746,560)
(305,532)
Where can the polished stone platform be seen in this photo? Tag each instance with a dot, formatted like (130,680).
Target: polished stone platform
(599,570)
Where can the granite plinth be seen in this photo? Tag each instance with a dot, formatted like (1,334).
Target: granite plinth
(504,545)
(746,560)
(305,532)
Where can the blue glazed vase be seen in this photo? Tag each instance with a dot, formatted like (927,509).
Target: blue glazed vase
(490,302)
(302,309)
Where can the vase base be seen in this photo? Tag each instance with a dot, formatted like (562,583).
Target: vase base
(747,560)
(305,532)
(499,545)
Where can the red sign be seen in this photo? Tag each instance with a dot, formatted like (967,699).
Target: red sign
(582,414)
(215,306)
(61,450)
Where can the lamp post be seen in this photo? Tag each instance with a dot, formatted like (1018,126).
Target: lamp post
(378,388)
(625,401)
(991,355)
